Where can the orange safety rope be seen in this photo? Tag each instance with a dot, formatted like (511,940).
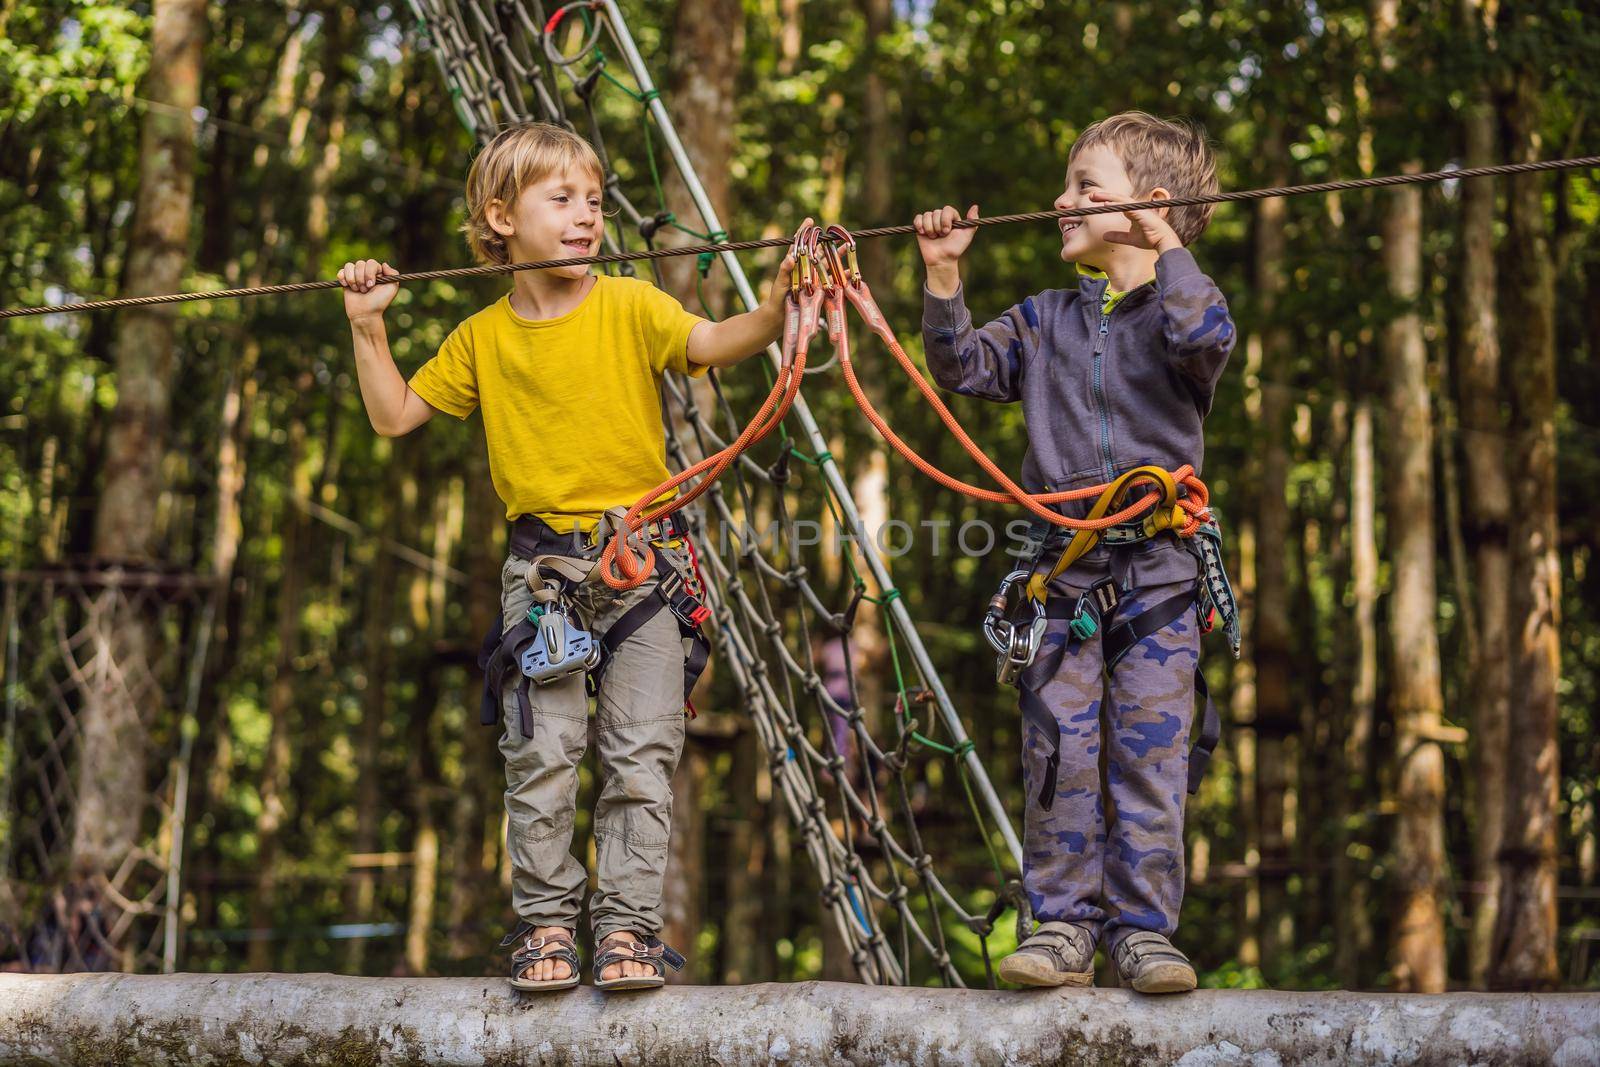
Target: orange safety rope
(847,284)
(627,559)
(826,277)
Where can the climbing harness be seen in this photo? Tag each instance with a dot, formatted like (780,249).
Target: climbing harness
(1095,612)
(550,644)
(1018,616)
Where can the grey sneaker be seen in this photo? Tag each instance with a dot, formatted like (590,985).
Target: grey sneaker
(1057,954)
(1148,962)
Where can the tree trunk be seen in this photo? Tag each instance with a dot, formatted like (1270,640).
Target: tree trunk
(1417,696)
(478,804)
(1243,741)
(281,711)
(236,1018)
(424,881)
(1483,446)
(420,495)
(790,27)
(1355,926)
(1334,773)
(111,787)
(707,42)
(878,140)
(380,601)
(745,923)
(1275,713)
(1525,934)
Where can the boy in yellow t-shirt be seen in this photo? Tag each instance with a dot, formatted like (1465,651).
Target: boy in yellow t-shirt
(567,371)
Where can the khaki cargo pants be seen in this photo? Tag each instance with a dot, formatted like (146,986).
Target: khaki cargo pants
(639,726)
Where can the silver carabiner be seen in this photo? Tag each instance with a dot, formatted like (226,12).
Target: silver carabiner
(1015,644)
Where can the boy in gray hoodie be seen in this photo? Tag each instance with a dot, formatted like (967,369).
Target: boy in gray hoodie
(1115,373)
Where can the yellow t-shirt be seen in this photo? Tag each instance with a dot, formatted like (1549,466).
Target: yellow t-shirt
(571,405)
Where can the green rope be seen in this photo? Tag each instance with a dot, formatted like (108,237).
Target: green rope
(894,659)
(816,461)
(983,826)
(713,237)
(704,260)
(928,742)
(700,294)
(655,169)
(600,65)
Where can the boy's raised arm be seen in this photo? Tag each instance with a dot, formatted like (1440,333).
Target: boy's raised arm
(986,362)
(1199,329)
(392,407)
(736,338)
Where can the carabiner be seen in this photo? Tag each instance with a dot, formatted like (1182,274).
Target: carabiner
(1015,642)
(809,269)
(848,269)
(801,280)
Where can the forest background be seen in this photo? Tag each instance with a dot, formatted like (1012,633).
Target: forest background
(1406,793)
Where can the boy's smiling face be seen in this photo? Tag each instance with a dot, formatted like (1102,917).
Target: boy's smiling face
(556,217)
(1094,169)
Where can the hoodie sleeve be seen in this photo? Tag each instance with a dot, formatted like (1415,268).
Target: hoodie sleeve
(985,363)
(1199,330)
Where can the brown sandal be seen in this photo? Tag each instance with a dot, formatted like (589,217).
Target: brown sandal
(624,948)
(559,947)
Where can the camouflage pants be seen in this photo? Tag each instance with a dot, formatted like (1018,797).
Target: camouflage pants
(1109,851)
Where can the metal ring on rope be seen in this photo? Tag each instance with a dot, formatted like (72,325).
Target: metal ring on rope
(831,362)
(547,39)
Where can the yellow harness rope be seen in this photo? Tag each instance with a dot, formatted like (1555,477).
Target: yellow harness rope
(1164,516)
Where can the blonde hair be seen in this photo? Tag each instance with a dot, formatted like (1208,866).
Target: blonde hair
(519,155)
(1174,155)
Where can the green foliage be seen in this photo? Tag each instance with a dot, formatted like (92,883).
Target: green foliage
(985,98)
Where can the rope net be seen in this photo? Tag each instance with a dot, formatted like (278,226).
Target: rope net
(93,652)
(854,800)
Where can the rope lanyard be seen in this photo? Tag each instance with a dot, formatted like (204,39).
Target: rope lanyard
(1383,182)
(827,278)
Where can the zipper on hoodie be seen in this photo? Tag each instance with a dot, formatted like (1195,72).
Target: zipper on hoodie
(1100,393)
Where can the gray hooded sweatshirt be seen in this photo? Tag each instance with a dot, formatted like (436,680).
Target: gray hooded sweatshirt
(1101,390)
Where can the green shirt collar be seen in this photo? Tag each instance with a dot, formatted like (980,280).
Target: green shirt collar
(1112,297)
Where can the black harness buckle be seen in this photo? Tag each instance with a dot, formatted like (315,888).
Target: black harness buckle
(1094,607)
(688,608)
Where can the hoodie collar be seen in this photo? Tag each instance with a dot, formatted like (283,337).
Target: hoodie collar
(1096,284)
